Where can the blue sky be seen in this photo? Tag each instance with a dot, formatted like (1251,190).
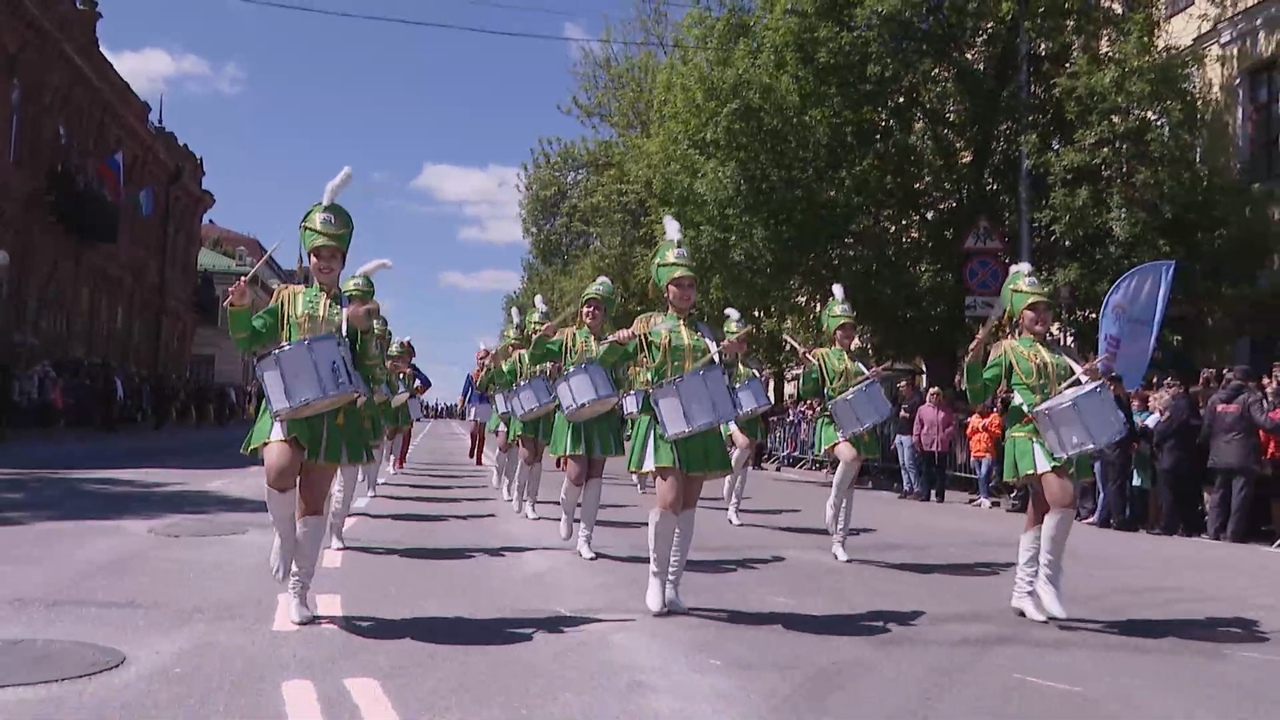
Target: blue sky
(435,124)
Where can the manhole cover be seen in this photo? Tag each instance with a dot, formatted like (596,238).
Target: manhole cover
(32,662)
(198,528)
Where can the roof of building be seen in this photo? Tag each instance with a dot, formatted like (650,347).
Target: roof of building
(215,262)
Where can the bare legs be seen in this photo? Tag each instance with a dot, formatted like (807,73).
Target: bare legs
(583,477)
(296,494)
(528,477)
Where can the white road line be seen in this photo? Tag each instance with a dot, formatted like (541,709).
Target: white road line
(370,699)
(281,622)
(1046,682)
(329,607)
(1252,655)
(358,503)
(300,700)
(331,558)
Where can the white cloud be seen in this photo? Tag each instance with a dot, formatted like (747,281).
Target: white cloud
(481,280)
(580,40)
(489,197)
(152,70)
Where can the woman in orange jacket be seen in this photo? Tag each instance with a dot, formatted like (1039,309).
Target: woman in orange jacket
(983,430)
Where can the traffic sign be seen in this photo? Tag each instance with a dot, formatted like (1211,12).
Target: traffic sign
(984,238)
(984,275)
(980,307)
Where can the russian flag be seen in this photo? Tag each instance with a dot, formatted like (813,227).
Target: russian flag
(111,171)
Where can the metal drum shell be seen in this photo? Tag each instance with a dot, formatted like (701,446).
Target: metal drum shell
(1080,420)
(860,408)
(598,386)
(751,398)
(632,403)
(695,402)
(532,399)
(318,392)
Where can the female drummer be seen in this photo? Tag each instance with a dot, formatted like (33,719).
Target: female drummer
(359,291)
(399,423)
(742,435)
(532,435)
(829,372)
(584,445)
(474,404)
(1033,370)
(671,346)
(492,382)
(301,455)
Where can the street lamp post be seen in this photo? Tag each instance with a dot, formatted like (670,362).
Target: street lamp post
(1024,110)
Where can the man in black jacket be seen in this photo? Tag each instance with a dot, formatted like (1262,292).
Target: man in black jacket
(1232,419)
(1173,441)
(1117,465)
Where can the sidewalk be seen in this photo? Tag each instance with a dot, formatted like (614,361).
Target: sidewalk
(29,438)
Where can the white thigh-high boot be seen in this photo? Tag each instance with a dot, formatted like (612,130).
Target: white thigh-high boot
(531,492)
(737,483)
(1024,577)
(499,467)
(283,509)
(590,508)
(310,535)
(1053,548)
(662,528)
(569,494)
(846,473)
(518,488)
(843,514)
(344,489)
(389,452)
(509,472)
(679,554)
(639,480)
(369,470)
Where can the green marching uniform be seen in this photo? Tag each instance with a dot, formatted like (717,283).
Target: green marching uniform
(337,437)
(398,419)
(738,369)
(600,436)
(519,368)
(494,381)
(1032,370)
(381,399)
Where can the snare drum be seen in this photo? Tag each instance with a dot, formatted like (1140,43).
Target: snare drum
(585,391)
(479,412)
(401,394)
(381,393)
(502,404)
(415,409)
(532,399)
(860,408)
(695,402)
(308,377)
(632,402)
(1080,420)
(751,398)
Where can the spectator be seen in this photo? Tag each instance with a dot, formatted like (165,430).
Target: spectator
(983,431)
(932,434)
(1232,419)
(1173,442)
(909,402)
(1116,461)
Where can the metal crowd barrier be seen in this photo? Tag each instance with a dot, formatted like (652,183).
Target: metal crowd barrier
(790,445)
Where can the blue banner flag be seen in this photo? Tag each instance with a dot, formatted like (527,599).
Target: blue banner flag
(1131,317)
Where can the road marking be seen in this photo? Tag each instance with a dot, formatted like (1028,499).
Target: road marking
(370,699)
(300,700)
(332,558)
(1046,682)
(281,622)
(359,503)
(329,606)
(1252,655)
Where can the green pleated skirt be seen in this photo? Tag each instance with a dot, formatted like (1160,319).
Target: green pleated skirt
(538,429)
(1026,458)
(500,426)
(598,437)
(397,419)
(337,437)
(752,428)
(826,435)
(701,454)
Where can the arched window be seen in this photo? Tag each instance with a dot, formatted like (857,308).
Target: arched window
(15,100)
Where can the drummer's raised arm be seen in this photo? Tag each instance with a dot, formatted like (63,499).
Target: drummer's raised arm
(545,349)
(810,385)
(981,380)
(618,352)
(251,332)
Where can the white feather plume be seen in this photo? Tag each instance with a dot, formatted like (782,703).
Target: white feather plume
(732,314)
(671,228)
(539,303)
(1022,267)
(336,186)
(515,316)
(605,280)
(837,292)
(368,269)
(407,340)
(484,345)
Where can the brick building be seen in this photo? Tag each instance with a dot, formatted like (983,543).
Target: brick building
(100,210)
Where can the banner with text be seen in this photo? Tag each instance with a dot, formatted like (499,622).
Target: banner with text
(1131,317)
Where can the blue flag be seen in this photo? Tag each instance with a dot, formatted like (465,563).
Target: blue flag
(1130,321)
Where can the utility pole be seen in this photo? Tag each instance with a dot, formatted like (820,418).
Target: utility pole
(1024,111)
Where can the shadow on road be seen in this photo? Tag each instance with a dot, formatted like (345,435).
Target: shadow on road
(622,524)
(43,497)
(431,499)
(425,486)
(808,530)
(969,569)
(708,567)
(424,517)
(864,624)
(210,448)
(474,632)
(768,511)
(1226,631)
(445,553)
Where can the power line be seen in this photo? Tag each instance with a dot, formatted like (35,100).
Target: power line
(460,28)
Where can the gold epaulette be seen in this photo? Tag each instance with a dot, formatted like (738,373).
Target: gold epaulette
(644,323)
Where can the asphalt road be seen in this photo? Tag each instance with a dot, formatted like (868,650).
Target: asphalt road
(448,605)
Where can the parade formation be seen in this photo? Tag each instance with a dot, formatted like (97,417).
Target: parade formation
(342,397)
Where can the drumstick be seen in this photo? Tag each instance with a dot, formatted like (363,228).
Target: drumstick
(792,341)
(1071,380)
(712,355)
(255,269)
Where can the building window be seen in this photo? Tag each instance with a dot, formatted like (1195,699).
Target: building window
(1262,123)
(1177,7)
(15,102)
